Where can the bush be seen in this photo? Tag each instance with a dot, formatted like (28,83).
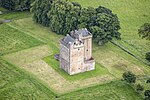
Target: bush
(147,56)
(139,87)
(129,77)
(148,81)
(147,93)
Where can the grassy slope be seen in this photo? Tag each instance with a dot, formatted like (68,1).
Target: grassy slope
(12,40)
(121,92)
(111,91)
(107,52)
(132,14)
(16,84)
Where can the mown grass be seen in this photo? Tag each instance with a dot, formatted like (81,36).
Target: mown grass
(117,90)
(99,70)
(104,55)
(100,53)
(12,40)
(132,14)
(18,85)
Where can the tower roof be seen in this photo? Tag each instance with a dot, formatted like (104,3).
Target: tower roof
(83,32)
(68,39)
(76,36)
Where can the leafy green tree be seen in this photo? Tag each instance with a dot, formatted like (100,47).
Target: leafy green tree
(139,87)
(40,9)
(19,5)
(148,81)
(144,31)
(129,77)
(147,94)
(63,16)
(147,56)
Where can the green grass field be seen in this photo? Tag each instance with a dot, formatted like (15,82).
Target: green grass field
(16,84)
(132,14)
(29,71)
(99,70)
(12,40)
(111,91)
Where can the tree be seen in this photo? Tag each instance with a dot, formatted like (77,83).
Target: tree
(144,31)
(19,5)
(63,16)
(40,9)
(129,77)
(147,56)
(139,87)
(148,81)
(147,94)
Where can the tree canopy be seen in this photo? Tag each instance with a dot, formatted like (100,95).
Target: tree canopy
(129,77)
(19,5)
(63,16)
(144,31)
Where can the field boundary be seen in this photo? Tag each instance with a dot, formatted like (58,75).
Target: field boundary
(127,51)
(32,78)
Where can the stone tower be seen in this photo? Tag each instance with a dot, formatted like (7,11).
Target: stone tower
(76,52)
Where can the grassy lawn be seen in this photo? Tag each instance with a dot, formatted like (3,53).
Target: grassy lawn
(111,91)
(100,70)
(132,14)
(12,40)
(16,84)
(102,54)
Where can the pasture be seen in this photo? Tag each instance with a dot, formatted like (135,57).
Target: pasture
(29,71)
(132,14)
(16,84)
(110,65)
(12,40)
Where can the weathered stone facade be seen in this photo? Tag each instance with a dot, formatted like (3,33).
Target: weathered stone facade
(76,52)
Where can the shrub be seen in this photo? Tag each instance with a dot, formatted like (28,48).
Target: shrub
(148,81)
(147,56)
(129,77)
(147,94)
(139,87)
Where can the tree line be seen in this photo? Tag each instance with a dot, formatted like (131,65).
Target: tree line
(63,16)
(17,5)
